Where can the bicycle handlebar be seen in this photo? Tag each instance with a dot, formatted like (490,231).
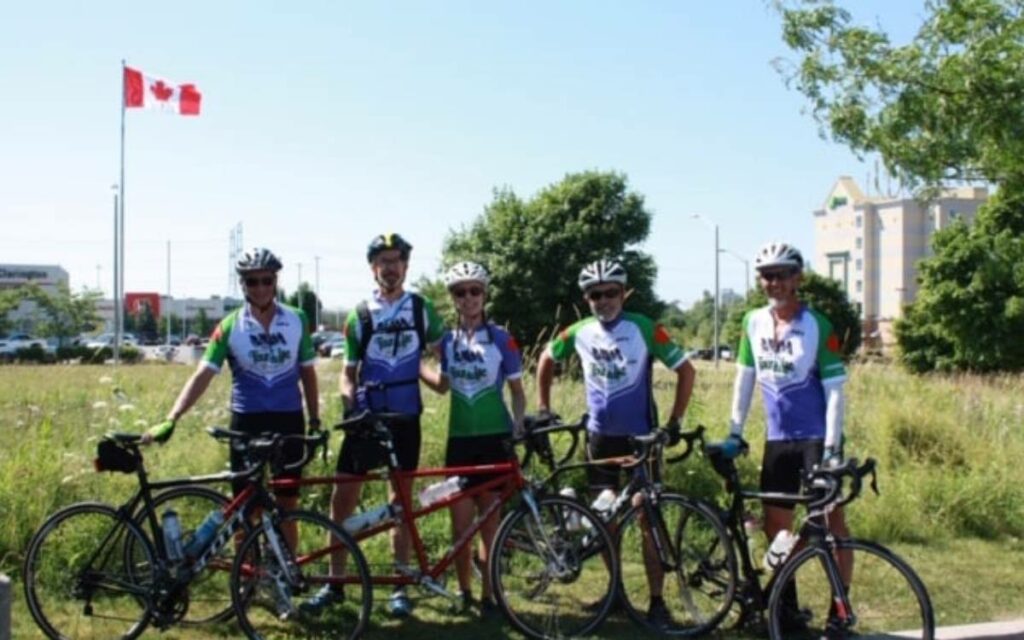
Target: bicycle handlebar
(832,479)
(262,442)
(537,440)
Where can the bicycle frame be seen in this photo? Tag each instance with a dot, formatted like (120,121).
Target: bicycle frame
(509,482)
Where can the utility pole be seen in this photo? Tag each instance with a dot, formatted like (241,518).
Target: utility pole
(298,286)
(168,309)
(316,327)
(718,301)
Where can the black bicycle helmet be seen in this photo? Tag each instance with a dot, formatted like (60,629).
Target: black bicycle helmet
(386,241)
(258,259)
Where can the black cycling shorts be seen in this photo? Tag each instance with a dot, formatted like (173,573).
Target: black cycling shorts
(785,463)
(289,423)
(360,455)
(473,450)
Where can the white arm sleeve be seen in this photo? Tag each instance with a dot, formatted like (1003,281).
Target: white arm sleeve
(742,392)
(835,402)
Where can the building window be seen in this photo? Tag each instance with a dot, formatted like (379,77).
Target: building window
(860,264)
(860,242)
(860,286)
(860,221)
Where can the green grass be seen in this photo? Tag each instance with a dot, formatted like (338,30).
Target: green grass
(949,451)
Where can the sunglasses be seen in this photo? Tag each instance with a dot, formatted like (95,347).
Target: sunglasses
(772,276)
(597,294)
(266,281)
(468,291)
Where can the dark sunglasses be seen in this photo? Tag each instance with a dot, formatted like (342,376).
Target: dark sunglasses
(468,291)
(597,294)
(772,276)
(266,281)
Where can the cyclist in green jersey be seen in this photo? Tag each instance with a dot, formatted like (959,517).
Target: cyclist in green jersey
(478,358)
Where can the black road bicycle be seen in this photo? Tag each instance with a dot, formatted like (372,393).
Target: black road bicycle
(95,571)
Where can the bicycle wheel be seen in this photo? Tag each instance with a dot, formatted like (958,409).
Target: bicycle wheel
(268,606)
(886,596)
(209,594)
(78,584)
(554,576)
(695,569)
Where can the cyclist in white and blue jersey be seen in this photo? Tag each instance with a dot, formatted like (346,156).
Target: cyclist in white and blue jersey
(792,353)
(270,352)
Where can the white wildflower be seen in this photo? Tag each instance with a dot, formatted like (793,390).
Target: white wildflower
(106,379)
(127,407)
(99,404)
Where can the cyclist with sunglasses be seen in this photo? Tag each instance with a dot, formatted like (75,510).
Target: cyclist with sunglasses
(792,352)
(617,350)
(270,352)
(477,359)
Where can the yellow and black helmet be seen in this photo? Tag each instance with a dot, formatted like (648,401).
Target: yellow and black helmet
(386,241)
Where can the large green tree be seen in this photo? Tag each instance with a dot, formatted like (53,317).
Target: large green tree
(305,298)
(60,314)
(946,106)
(535,248)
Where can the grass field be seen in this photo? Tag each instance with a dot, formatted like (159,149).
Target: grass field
(950,452)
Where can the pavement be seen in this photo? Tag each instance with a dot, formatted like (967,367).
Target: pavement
(1008,630)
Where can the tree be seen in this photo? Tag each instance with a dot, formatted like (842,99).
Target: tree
(145,322)
(435,291)
(202,325)
(60,314)
(534,250)
(818,292)
(969,314)
(305,298)
(948,105)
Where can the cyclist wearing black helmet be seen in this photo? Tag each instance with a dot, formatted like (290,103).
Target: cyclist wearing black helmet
(270,352)
(384,338)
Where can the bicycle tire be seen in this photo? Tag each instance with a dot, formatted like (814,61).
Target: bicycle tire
(209,593)
(112,600)
(700,567)
(885,596)
(558,579)
(258,601)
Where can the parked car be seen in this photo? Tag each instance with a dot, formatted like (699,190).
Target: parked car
(10,344)
(708,353)
(326,342)
(107,340)
(333,348)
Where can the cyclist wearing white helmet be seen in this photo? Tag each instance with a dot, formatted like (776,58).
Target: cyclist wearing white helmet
(617,350)
(478,358)
(385,336)
(268,347)
(792,352)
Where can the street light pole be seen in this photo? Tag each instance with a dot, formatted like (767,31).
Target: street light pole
(746,267)
(714,225)
(316,259)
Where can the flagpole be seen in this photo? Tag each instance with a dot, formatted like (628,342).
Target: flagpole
(119,302)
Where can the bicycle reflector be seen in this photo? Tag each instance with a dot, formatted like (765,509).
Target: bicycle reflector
(112,457)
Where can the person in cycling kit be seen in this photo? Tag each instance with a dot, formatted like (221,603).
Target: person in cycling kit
(617,350)
(477,359)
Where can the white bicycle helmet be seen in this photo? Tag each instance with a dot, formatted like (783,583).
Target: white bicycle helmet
(466,271)
(603,270)
(778,254)
(258,259)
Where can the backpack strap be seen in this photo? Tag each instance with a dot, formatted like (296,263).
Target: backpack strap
(365,327)
(417,320)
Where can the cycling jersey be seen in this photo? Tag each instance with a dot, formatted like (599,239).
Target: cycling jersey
(617,357)
(392,354)
(477,367)
(264,362)
(791,370)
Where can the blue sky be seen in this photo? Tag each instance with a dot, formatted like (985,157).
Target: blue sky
(325,123)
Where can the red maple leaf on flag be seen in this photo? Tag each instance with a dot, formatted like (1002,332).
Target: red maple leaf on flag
(161,91)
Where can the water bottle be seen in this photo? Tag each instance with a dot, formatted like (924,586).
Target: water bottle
(204,534)
(172,535)
(572,522)
(603,504)
(779,550)
(373,517)
(440,490)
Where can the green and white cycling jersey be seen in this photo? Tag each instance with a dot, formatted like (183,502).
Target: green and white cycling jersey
(477,367)
(791,370)
(617,357)
(264,363)
(392,353)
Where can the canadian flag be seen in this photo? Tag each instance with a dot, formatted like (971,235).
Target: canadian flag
(142,91)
